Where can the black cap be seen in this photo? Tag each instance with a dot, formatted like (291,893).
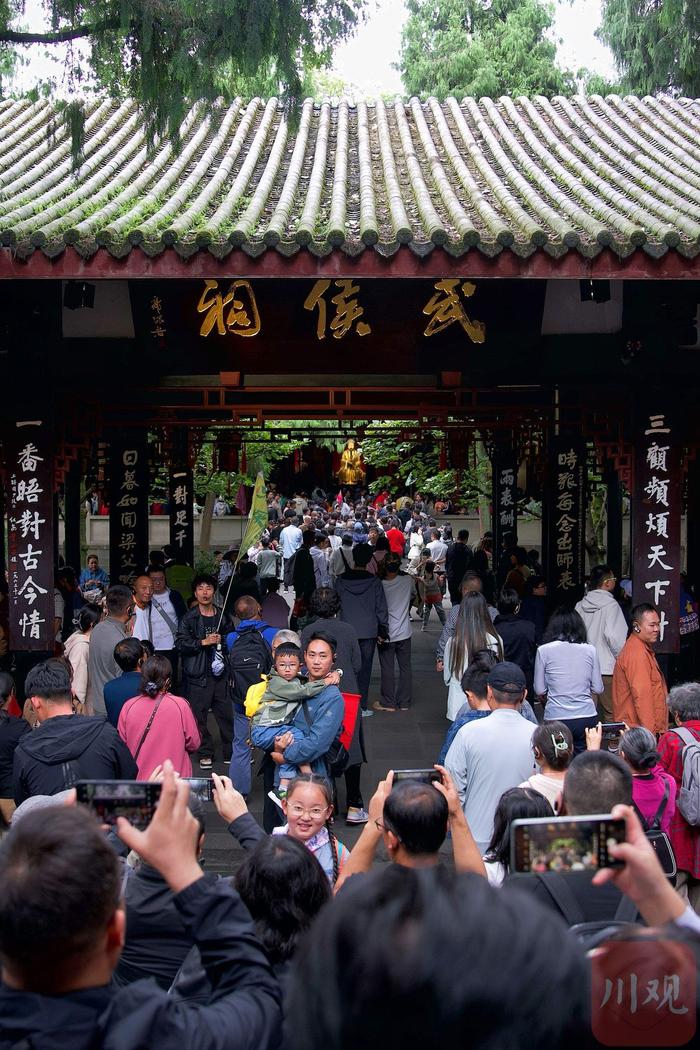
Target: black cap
(507,678)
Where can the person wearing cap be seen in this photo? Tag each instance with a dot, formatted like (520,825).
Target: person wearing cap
(490,755)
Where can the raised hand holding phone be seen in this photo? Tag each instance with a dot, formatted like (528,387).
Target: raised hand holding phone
(169,843)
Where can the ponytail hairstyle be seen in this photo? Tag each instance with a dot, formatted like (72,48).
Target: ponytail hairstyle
(555,743)
(327,788)
(638,746)
(89,616)
(156,675)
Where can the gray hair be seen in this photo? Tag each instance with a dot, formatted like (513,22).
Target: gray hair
(287,636)
(684,701)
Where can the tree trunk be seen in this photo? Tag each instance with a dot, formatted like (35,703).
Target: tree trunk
(207,515)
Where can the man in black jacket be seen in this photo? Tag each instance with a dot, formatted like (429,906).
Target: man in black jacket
(62,930)
(198,639)
(517,635)
(65,747)
(459,558)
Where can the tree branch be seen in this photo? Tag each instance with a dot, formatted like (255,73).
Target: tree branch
(60,36)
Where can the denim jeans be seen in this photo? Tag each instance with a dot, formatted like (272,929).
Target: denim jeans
(239,770)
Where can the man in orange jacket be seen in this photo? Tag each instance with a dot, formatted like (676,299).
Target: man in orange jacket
(639,688)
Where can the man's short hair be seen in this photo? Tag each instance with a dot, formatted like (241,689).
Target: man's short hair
(50,914)
(463,535)
(118,599)
(599,575)
(49,680)
(595,782)
(321,636)
(204,577)
(247,607)
(641,610)
(362,554)
(417,814)
(508,601)
(127,654)
(397,946)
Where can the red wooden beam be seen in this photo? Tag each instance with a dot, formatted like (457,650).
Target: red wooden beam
(405,264)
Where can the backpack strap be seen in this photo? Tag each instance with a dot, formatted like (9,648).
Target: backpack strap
(626,910)
(685,735)
(148,726)
(640,815)
(559,890)
(656,819)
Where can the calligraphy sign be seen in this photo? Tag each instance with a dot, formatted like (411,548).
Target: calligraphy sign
(30,537)
(182,514)
(656,511)
(566,525)
(128,507)
(504,470)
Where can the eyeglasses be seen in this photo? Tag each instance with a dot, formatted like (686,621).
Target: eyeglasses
(316,812)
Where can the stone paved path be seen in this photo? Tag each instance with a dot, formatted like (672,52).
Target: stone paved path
(404,740)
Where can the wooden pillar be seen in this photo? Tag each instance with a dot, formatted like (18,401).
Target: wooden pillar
(128,506)
(564,525)
(72,514)
(504,473)
(692,554)
(614,514)
(31,549)
(656,518)
(181,499)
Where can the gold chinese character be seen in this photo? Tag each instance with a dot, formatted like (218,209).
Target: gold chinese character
(241,319)
(445,308)
(347,309)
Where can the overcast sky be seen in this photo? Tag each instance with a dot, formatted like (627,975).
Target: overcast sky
(367,60)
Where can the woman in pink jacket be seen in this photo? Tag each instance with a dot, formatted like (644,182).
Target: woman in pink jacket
(156,725)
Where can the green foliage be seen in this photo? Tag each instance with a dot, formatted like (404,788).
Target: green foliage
(405,464)
(480,48)
(656,44)
(168,53)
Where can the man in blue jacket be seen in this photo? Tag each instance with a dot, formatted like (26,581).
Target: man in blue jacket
(319,720)
(247,610)
(61,936)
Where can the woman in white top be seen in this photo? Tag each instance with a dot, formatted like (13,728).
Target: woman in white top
(474,633)
(553,746)
(76,651)
(515,804)
(567,672)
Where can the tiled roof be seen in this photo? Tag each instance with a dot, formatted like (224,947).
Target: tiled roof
(512,174)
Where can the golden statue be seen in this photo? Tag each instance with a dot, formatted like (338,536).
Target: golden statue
(352,469)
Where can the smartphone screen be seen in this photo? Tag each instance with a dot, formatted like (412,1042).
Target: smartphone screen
(201,787)
(426,776)
(134,799)
(611,733)
(564,844)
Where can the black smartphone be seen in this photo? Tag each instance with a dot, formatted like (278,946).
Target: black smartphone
(427,776)
(201,787)
(134,799)
(564,844)
(610,740)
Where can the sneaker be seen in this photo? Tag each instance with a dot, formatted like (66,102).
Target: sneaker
(377,706)
(367,714)
(423,627)
(206,763)
(356,815)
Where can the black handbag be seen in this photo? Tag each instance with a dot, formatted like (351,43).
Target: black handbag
(658,838)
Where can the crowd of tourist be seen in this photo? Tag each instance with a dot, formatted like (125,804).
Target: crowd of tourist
(116,937)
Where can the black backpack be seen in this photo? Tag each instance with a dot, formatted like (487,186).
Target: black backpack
(590,934)
(659,840)
(250,657)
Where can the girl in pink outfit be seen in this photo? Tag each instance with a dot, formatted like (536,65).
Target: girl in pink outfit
(157,725)
(650,784)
